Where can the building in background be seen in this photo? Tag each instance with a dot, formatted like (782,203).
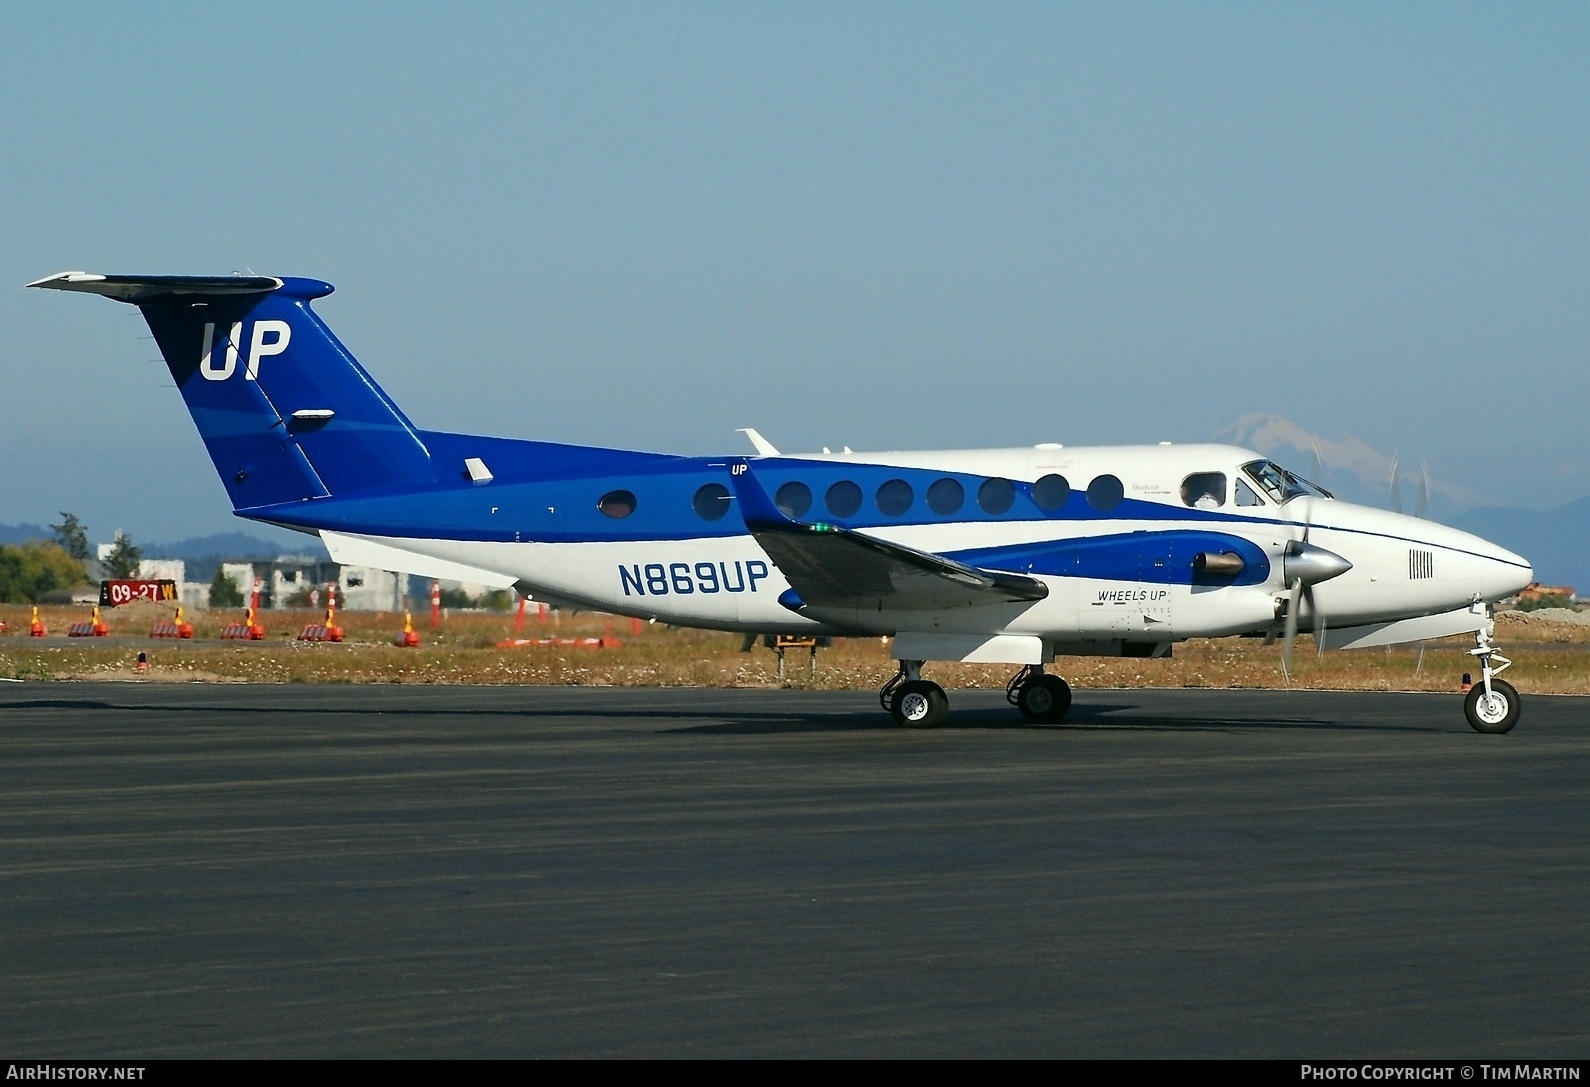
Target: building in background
(364,588)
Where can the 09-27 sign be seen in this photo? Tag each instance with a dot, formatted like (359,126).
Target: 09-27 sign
(119,592)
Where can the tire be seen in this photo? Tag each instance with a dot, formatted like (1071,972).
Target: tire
(919,704)
(1044,698)
(1499,714)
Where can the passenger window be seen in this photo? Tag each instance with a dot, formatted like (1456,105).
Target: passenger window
(1105,493)
(711,502)
(996,495)
(1246,495)
(843,499)
(1204,490)
(895,497)
(945,497)
(617,504)
(793,499)
(1051,492)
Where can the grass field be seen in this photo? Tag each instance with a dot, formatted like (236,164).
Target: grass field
(1550,657)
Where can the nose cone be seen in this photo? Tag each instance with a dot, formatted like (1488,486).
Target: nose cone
(1506,573)
(1497,571)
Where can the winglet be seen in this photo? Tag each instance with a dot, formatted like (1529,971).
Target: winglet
(763,447)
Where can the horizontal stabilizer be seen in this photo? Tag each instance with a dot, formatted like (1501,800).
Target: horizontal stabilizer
(830,566)
(138,289)
(363,551)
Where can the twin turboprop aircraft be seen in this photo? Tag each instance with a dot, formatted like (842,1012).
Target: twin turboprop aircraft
(1013,556)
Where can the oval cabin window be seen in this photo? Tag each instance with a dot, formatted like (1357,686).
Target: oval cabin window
(617,504)
(996,495)
(1051,492)
(895,497)
(711,502)
(1204,490)
(946,497)
(1105,493)
(793,499)
(843,499)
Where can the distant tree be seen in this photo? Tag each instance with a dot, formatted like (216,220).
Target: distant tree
(224,592)
(124,557)
(72,536)
(28,571)
(456,598)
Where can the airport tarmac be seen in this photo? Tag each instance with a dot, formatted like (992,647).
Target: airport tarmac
(228,870)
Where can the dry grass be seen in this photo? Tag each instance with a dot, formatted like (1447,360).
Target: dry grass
(464,651)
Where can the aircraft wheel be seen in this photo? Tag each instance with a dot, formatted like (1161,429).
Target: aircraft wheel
(1044,698)
(1495,714)
(919,704)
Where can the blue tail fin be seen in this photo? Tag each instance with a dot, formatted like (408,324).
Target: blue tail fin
(285,411)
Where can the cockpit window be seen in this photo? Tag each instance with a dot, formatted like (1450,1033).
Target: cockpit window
(1246,495)
(1280,484)
(1204,490)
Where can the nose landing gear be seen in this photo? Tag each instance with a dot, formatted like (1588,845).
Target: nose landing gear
(1039,697)
(1492,705)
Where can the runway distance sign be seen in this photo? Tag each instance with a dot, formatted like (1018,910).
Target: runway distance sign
(124,591)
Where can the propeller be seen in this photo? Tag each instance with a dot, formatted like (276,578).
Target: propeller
(1423,505)
(1396,487)
(1303,566)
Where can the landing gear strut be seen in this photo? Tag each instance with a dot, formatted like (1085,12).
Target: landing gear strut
(913,701)
(1492,704)
(1039,697)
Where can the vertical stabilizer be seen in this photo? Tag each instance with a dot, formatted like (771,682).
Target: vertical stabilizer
(285,411)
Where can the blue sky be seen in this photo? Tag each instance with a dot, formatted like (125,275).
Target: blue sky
(875,225)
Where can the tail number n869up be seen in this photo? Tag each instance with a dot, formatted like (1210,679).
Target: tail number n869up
(684,578)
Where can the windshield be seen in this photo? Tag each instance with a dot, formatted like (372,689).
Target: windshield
(1280,484)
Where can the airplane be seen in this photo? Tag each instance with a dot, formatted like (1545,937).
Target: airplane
(1006,556)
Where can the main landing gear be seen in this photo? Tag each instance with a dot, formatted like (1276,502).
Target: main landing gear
(913,701)
(1492,704)
(1039,697)
(917,703)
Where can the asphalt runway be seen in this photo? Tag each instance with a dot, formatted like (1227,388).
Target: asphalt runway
(446,871)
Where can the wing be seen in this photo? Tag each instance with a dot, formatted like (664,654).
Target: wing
(829,566)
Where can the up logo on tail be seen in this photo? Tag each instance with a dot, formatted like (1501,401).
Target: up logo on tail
(258,348)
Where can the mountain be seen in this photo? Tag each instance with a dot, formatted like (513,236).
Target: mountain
(234,545)
(1348,466)
(16,534)
(205,554)
(1554,540)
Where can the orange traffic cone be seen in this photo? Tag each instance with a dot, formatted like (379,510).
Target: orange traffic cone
(409,638)
(333,631)
(184,630)
(36,629)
